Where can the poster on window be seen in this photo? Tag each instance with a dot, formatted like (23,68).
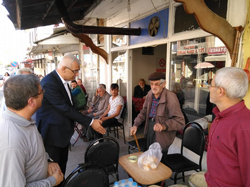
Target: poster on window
(161,64)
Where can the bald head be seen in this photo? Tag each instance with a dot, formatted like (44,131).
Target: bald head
(69,67)
(67,60)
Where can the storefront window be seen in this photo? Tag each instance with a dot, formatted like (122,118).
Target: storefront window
(187,22)
(119,74)
(194,63)
(119,40)
(90,71)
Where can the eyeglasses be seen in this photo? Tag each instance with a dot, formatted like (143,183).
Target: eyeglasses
(42,92)
(210,86)
(156,84)
(74,71)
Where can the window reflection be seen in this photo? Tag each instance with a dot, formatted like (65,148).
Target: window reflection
(194,62)
(119,75)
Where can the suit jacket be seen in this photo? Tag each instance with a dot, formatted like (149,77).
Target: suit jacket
(55,119)
(139,93)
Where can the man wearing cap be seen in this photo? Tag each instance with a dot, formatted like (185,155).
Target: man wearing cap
(161,112)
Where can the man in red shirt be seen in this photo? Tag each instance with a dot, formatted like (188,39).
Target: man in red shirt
(79,83)
(229,144)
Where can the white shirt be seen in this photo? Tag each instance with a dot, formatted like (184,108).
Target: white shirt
(66,87)
(67,90)
(113,105)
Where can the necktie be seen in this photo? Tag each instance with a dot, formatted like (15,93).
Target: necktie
(68,91)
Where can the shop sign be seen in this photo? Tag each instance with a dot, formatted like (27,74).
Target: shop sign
(161,70)
(192,49)
(217,50)
(28,65)
(161,64)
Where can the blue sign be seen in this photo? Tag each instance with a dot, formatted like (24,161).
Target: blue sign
(14,64)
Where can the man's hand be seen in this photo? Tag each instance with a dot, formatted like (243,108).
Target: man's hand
(96,125)
(94,114)
(52,167)
(133,130)
(96,92)
(144,97)
(104,119)
(89,110)
(58,176)
(158,127)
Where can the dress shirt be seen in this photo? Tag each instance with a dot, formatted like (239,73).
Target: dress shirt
(66,86)
(229,148)
(155,102)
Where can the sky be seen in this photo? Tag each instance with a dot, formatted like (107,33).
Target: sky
(13,43)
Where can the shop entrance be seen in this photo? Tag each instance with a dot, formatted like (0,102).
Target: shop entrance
(145,60)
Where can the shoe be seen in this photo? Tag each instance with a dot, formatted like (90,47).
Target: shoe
(83,135)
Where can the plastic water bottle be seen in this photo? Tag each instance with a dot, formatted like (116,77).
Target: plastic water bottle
(127,185)
(123,183)
(130,182)
(116,184)
(134,184)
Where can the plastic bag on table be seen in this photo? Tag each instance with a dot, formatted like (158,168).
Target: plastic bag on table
(151,158)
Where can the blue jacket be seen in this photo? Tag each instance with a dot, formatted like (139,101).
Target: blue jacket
(55,119)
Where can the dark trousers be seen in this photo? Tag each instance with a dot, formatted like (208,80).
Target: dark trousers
(58,155)
(108,123)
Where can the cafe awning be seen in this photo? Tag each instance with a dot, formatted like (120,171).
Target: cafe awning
(215,58)
(203,65)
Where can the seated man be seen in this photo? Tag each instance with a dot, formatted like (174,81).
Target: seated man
(142,89)
(114,110)
(79,83)
(100,102)
(78,96)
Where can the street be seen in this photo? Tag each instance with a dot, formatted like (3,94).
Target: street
(1,96)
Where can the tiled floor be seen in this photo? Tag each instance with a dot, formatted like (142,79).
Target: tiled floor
(76,156)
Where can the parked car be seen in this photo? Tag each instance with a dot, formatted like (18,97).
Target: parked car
(1,77)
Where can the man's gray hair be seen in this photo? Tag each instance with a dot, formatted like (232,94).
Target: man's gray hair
(20,71)
(162,81)
(67,60)
(233,80)
(18,89)
(102,87)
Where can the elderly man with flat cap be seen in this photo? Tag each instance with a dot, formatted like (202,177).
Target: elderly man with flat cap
(161,113)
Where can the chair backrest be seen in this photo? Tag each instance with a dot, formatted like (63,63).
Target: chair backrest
(193,139)
(123,114)
(88,175)
(104,150)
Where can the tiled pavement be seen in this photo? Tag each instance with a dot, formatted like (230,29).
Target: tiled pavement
(76,156)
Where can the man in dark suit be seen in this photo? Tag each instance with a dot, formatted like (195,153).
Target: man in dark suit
(55,119)
(142,89)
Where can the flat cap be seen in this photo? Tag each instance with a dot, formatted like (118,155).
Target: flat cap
(156,76)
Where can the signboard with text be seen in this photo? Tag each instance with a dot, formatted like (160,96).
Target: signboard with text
(199,48)
(217,51)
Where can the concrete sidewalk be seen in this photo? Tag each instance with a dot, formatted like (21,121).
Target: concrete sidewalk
(76,156)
